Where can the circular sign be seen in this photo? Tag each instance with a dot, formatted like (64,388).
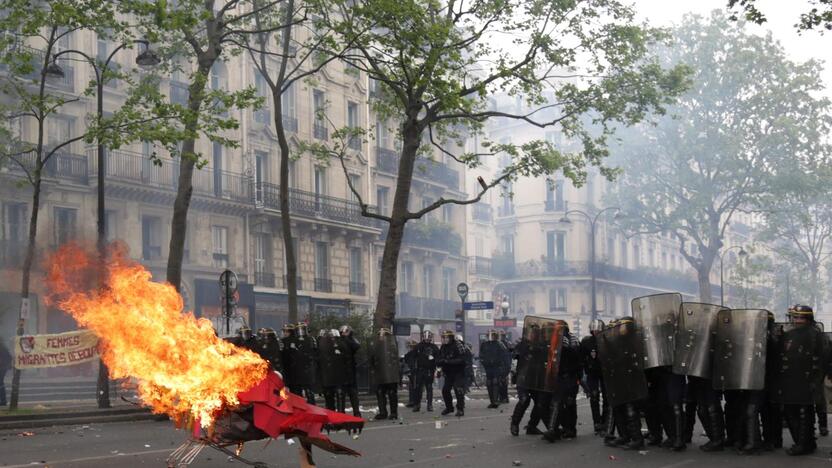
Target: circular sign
(462,290)
(228,281)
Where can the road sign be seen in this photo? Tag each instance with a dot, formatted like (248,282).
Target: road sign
(24,308)
(462,290)
(505,322)
(228,281)
(482,305)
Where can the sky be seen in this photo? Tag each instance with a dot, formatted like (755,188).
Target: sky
(782,16)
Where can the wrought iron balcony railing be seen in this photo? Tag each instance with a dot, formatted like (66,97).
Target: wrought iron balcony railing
(265,279)
(314,205)
(323,285)
(358,288)
(388,161)
(61,165)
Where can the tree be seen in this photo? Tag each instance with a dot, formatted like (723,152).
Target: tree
(195,34)
(749,112)
(798,225)
(820,13)
(282,59)
(437,62)
(29,50)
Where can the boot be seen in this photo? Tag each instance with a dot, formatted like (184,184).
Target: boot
(634,429)
(654,427)
(429,391)
(805,431)
(492,398)
(381,397)
(620,420)
(823,429)
(356,407)
(393,396)
(690,421)
(553,432)
(678,417)
(716,429)
(595,407)
(460,402)
(570,418)
(609,433)
(534,420)
(533,431)
(340,400)
(751,431)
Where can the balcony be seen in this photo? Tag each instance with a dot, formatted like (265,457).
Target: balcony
(323,285)
(283,283)
(432,171)
(358,288)
(265,279)
(479,266)
(482,212)
(668,280)
(223,184)
(319,131)
(554,205)
(433,235)
(411,307)
(61,166)
(314,205)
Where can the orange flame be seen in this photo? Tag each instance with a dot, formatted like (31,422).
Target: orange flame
(183,369)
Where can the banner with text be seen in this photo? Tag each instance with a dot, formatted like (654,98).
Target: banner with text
(62,349)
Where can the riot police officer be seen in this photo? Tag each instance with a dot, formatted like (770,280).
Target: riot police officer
(245,338)
(350,347)
(426,355)
(800,370)
(452,362)
(299,360)
(524,352)
(269,348)
(563,415)
(508,357)
(384,364)
(592,373)
(492,358)
(333,368)
(409,369)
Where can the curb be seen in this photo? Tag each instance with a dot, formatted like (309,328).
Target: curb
(80,420)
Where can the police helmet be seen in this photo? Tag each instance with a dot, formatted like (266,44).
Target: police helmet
(346,330)
(595,326)
(427,336)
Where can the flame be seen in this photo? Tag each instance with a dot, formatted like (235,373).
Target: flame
(183,369)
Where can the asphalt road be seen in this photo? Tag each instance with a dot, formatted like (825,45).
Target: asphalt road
(480,439)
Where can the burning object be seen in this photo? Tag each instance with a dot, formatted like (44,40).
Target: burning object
(225,395)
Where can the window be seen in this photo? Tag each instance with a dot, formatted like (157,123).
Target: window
(356,272)
(507,208)
(260,158)
(448,288)
(664,260)
(352,115)
(218,161)
(262,115)
(557,300)
(322,281)
(651,254)
(287,102)
(218,76)
(382,135)
(58,130)
(447,213)
(318,106)
(479,246)
(610,249)
(110,232)
(151,237)
(320,181)
(507,243)
(555,247)
(219,246)
(263,260)
(65,222)
(554,195)
(381,199)
(427,281)
(636,255)
(407,277)
(623,251)
(12,233)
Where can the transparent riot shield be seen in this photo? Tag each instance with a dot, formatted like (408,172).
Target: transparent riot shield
(620,350)
(655,317)
(694,341)
(739,361)
(544,338)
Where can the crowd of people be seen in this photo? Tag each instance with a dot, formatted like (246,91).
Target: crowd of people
(739,371)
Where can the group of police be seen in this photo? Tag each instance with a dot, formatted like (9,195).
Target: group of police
(739,371)
(309,366)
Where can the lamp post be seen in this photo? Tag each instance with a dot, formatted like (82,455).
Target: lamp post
(146,59)
(593,222)
(742,253)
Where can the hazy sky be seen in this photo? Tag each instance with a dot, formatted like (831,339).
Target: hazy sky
(782,16)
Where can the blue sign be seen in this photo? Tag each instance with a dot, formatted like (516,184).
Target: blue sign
(483,305)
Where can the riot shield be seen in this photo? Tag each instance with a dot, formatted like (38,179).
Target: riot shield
(385,360)
(655,317)
(620,351)
(739,360)
(331,361)
(545,338)
(801,365)
(694,339)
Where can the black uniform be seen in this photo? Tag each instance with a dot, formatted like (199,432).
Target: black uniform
(269,348)
(299,360)
(507,359)
(594,381)
(426,356)
(492,358)
(452,361)
(350,347)
(525,396)
(409,369)
(563,411)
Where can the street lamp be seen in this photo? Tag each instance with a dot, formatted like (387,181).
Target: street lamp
(593,221)
(146,59)
(504,306)
(742,253)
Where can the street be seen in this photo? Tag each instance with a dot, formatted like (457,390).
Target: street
(478,440)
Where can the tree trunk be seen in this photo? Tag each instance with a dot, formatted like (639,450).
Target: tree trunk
(27,268)
(285,215)
(703,274)
(815,278)
(386,304)
(184,190)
